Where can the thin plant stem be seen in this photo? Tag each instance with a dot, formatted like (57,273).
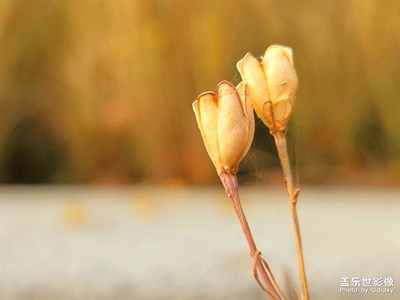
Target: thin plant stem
(280,140)
(231,187)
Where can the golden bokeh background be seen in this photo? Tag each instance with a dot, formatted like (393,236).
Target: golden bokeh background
(101,91)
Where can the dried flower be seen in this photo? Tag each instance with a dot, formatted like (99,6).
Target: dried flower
(272,85)
(226,123)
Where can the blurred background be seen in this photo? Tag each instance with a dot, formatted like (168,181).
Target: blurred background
(95,105)
(101,91)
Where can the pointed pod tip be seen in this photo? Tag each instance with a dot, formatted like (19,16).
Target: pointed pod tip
(246,63)
(287,51)
(223,82)
(248,55)
(226,88)
(205,96)
(209,93)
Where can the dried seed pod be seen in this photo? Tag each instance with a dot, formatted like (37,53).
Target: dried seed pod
(226,123)
(272,85)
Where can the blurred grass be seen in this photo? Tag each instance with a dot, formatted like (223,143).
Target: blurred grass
(101,91)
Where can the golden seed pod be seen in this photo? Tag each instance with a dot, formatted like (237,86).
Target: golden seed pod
(272,85)
(226,123)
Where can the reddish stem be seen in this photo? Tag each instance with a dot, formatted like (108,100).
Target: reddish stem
(231,187)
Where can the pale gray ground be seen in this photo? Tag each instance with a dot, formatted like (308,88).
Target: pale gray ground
(155,243)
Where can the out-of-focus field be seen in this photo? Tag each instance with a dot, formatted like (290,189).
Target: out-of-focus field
(164,243)
(101,91)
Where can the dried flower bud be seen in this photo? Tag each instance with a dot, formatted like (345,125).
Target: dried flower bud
(226,123)
(272,85)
